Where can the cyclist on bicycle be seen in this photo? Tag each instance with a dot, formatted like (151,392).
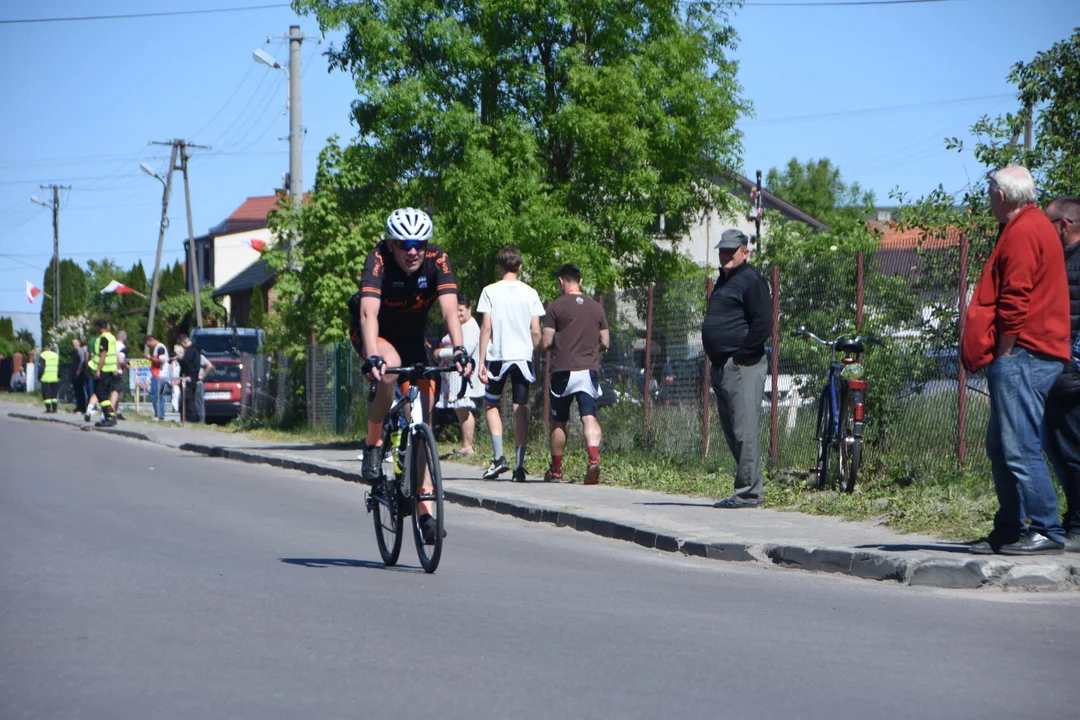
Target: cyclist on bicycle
(402,278)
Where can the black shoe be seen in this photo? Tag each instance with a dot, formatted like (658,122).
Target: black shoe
(497,467)
(120,416)
(734,503)
(1033,543)
(428,526)
(106,422)
(372,467)
(519,474)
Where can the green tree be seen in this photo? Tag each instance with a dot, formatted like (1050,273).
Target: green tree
(1048,93)
(25,336)
(72,294)
(257,317)
(560,126)
(817,187)
(172,281)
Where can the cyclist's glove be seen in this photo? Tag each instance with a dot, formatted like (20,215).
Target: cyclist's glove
(462,358)
(373,362)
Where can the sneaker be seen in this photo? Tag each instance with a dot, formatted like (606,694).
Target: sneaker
(120,415)
(105,422)
(735,503)
(457,455)
(519,474)
(553,476)
(87,415)
(497,467)
(1033,543)
(428,525)
(592,474)
(372,467)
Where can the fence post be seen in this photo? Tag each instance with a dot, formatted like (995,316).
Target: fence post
(961,373)
(647,389)
(860,281)
(774,370)
(706,403)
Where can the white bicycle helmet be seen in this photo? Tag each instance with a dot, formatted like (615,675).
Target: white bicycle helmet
(408,224)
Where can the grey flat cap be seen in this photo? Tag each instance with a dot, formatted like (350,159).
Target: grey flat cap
(732,239)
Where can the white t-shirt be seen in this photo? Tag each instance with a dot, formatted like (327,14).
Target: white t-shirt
(470,338)
(512,305)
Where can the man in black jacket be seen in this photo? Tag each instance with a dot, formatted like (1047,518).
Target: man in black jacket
(1061,433)
(737,323)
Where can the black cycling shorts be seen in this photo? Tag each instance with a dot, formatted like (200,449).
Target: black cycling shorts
(519,385)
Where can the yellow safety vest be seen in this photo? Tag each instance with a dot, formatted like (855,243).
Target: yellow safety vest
(95,353)
(52,364)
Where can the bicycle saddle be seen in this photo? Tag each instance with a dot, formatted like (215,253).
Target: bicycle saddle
(849,345)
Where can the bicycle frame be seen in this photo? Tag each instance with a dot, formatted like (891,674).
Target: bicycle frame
(836,383)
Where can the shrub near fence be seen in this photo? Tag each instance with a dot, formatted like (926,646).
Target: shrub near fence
(925,417)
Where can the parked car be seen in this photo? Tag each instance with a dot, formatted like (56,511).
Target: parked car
(227,342)
(226,388)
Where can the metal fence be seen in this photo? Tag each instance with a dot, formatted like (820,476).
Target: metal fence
(926,417)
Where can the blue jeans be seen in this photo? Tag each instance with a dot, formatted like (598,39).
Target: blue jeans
(156,399)
(1019,384)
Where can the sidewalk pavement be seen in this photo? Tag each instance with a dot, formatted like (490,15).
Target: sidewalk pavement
(670,523)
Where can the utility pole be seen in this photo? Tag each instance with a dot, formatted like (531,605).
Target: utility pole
(296,124)
(1030,113)
(167,192)
(180,147)
(55,207)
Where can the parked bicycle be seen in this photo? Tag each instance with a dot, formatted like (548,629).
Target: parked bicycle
(841,412)
(416,476)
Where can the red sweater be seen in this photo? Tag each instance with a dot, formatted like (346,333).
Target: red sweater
(1023,292)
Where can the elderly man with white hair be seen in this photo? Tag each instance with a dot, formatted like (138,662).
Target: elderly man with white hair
(1017,327)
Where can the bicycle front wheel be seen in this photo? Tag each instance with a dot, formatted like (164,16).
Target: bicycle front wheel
(850,444)
(425,482)
(826,463)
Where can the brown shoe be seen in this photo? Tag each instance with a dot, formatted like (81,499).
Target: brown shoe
(592,475)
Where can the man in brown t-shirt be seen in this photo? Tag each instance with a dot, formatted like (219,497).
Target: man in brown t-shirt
(576,332)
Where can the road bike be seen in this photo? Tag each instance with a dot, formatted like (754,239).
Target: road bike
(841,412)
(415,476)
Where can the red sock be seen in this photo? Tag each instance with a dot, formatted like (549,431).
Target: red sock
(556,462)
(594,453)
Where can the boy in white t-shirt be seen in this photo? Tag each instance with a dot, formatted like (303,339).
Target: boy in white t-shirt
(509,336)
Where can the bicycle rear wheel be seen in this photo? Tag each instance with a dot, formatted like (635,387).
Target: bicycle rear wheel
(424,453)
(850,445)
(386,506)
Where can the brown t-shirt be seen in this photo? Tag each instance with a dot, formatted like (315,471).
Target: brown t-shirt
(577,321)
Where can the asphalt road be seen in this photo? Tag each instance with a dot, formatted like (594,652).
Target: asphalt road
(142,582)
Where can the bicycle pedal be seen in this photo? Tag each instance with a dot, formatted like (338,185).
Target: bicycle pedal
(369,502)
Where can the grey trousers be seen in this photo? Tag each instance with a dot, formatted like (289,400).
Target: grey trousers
(739,391)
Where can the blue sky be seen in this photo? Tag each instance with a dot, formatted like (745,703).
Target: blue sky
(874,88)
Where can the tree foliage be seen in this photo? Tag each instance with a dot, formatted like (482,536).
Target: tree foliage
(562,127)
(1049,86)
(72,294)
(817,187)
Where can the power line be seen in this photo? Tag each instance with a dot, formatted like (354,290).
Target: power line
(130,16)
(888,108)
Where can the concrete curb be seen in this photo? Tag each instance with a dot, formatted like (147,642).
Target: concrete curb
(87,428)
(962,572)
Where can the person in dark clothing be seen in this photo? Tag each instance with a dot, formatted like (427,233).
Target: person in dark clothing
(737,323)
(79,376)
(193,368)
(1061,429)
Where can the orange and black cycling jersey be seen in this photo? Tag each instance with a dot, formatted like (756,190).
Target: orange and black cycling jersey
(406,299)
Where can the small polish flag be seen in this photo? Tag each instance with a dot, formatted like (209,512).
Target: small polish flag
(256,244)
(117,287)
(32,291)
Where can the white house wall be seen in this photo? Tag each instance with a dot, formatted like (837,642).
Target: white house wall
(698,243)
(232,256)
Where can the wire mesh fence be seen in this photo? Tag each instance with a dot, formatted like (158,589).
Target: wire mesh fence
(925,416)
